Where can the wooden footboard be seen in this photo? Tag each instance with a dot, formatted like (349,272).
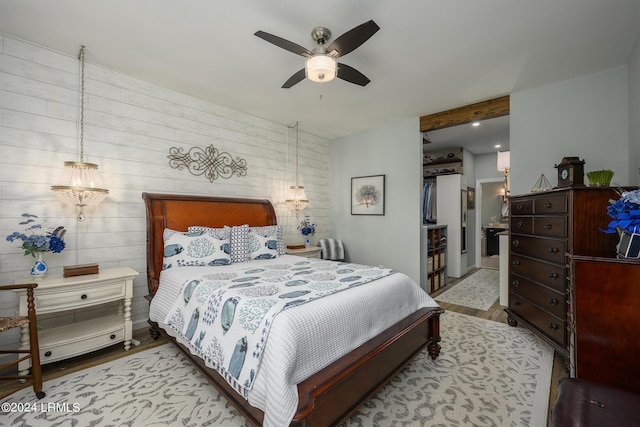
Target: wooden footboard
(331,395)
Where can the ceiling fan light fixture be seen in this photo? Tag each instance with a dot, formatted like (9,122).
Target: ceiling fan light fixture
(321,68)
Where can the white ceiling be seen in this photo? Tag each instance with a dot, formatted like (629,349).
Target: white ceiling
(429,55)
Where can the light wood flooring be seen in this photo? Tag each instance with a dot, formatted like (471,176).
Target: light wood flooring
(57,369)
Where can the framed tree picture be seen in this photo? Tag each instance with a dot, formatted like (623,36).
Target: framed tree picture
(367,195)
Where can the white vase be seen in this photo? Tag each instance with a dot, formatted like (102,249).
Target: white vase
(39,268)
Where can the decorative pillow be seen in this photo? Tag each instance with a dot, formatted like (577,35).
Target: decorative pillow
(196,248)
(239,240)
(281,245)
(263,242)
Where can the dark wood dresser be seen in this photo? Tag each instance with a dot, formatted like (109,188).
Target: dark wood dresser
(605,327)
(544,229)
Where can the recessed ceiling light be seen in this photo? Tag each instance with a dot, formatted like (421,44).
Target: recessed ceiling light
(475,124)
(497,146)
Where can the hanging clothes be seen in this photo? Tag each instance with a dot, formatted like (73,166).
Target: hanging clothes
(429,215)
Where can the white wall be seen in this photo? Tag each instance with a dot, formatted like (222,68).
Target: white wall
(392,240)
(130,125)
(586,117)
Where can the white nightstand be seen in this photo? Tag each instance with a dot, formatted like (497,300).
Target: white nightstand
(308,252)
(62,337)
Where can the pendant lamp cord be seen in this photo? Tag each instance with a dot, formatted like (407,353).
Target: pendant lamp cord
(81,58)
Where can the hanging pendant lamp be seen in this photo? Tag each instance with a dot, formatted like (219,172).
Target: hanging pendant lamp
(298,199)
(81,184)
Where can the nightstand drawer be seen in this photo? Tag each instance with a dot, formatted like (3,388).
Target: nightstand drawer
(70,348)
(77,297)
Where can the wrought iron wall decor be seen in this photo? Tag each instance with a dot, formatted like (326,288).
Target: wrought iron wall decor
(208,161)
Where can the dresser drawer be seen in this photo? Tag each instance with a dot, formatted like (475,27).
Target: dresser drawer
(82,296)
(551,275)
(548,324)
(542,248)
(548,299)
(548,204)
(521,206)
(521,224)
(550,226)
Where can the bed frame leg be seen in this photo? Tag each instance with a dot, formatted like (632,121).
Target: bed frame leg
(153,331)
(433,347)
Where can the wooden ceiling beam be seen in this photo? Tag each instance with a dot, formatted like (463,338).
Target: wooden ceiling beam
(484,110)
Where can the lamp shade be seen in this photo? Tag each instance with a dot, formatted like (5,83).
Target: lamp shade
(298,200)
(80,185)
(321,68)
(504,160)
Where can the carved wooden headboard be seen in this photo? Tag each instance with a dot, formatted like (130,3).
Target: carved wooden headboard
(178,212)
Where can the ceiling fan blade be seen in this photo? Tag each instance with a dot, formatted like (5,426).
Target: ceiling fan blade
(284,44)
(353,38)
(295,79)
(352,75)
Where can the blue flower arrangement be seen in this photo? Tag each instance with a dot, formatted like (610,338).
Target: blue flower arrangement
(306,227)
(625,213)
(51,241)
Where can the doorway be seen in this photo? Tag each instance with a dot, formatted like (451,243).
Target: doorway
(488,205)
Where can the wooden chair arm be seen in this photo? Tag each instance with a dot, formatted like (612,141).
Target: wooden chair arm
(18,286)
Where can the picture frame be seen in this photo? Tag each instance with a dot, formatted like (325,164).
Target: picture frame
(367,195)
(471,198)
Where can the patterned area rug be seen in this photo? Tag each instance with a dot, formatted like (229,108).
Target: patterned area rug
(479,291)
(488,374)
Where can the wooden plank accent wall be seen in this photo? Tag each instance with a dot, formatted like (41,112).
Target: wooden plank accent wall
(484,110)
(130,125)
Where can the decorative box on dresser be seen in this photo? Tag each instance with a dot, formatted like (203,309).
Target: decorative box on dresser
(56,296)
(545,228)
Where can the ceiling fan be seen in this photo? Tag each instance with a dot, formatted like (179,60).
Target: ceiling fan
(321,64)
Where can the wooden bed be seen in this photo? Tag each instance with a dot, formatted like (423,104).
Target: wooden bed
(332,394)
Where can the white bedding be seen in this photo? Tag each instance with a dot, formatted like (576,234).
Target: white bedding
(306,338)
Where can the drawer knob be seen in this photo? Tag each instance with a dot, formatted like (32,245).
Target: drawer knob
(519,207)
(553,250)
(547,205)
(553,275)
(516,263)
(47,354)
(83,296)
(516,283)
(553,326)
(516,243)
(520,224)
(548,226)
(553,301)
(112,336)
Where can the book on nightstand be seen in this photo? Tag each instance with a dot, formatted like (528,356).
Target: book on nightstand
(80,270)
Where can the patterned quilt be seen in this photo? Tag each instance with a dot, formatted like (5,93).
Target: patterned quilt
(226,315)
